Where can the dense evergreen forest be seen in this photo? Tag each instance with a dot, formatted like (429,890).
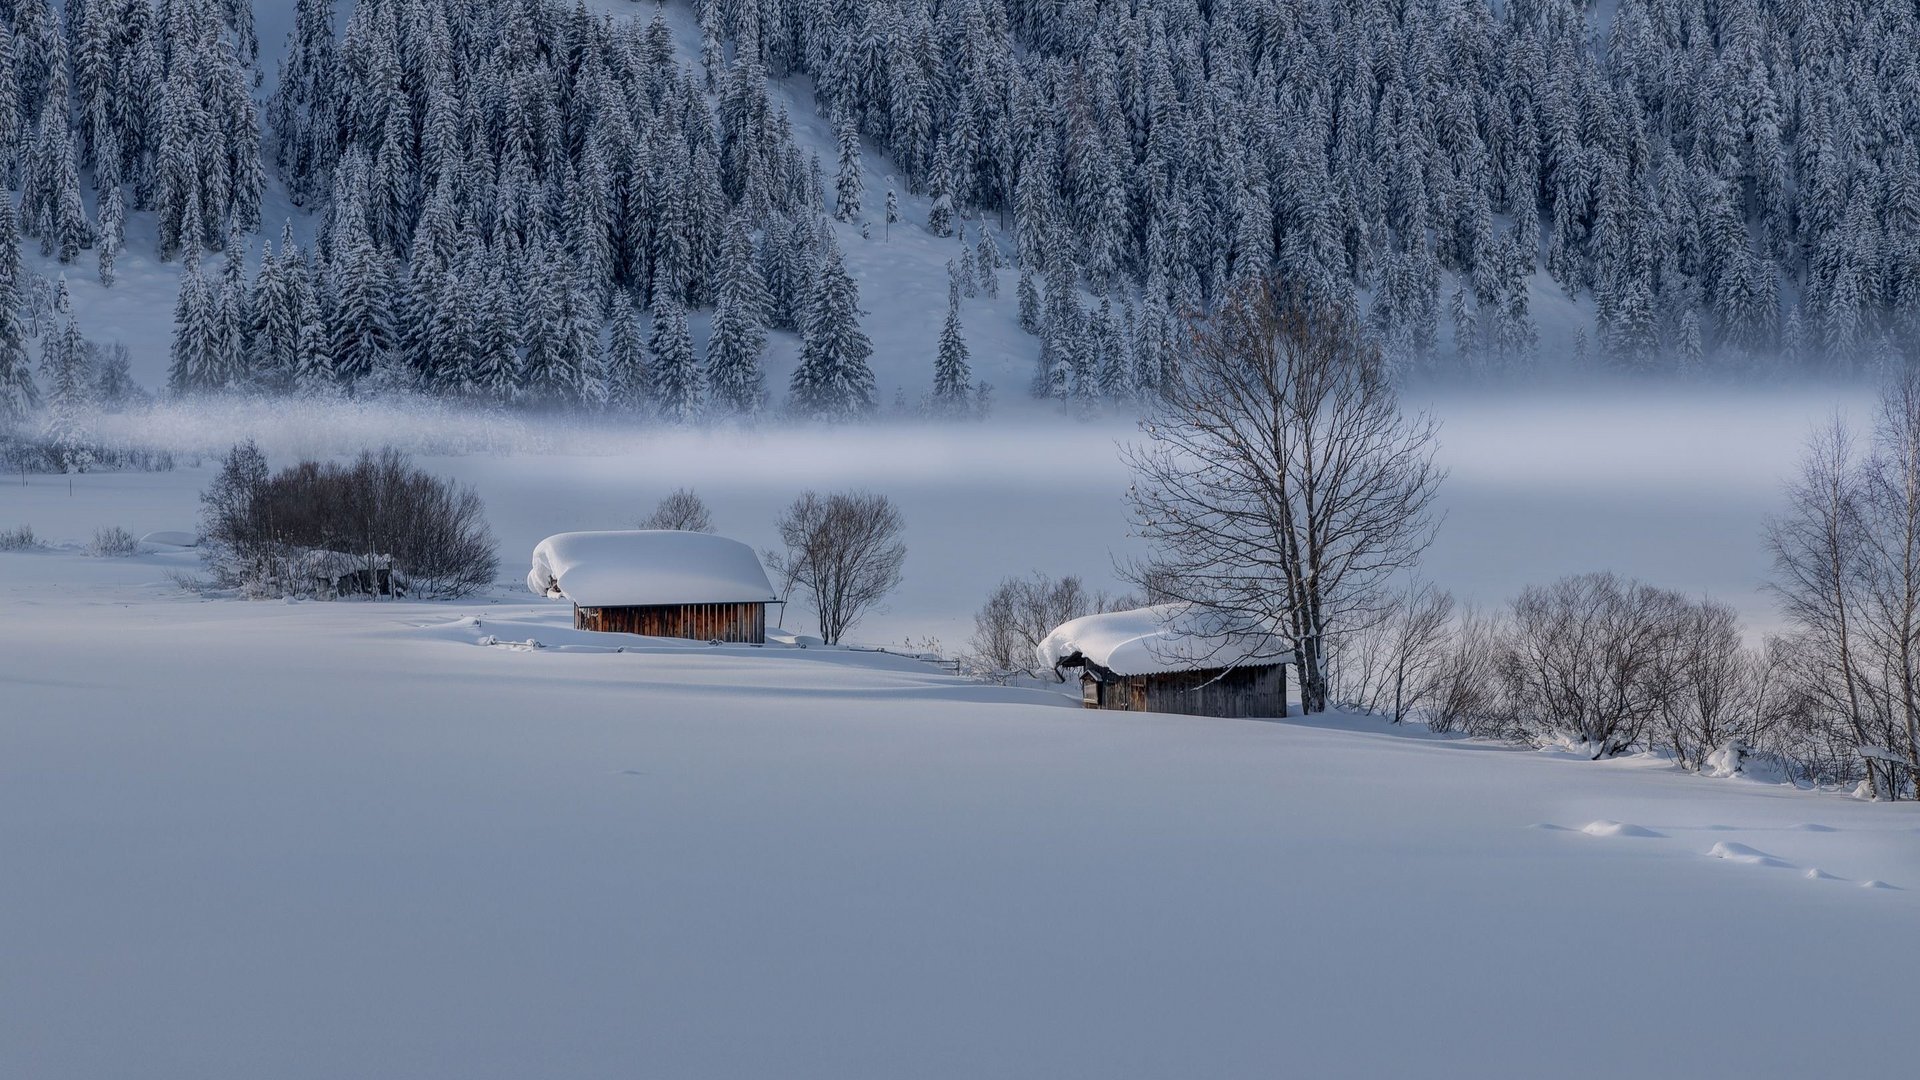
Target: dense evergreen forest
(521,201)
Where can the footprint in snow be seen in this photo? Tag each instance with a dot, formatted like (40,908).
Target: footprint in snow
(1741,853)
(1604,827)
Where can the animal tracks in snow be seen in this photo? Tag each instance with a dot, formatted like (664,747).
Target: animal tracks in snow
(1731,851)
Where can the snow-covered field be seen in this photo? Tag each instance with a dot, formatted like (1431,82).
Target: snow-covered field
(327,840)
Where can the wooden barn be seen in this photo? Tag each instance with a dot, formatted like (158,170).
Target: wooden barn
(1161,659)
(656,582)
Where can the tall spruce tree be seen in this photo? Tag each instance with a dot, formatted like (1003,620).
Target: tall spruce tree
(833,381)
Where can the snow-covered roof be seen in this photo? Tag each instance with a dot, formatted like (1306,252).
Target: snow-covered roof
(1152,640)
(643,567)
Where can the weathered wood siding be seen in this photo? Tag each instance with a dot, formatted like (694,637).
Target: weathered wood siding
(699,622)
(1242,692)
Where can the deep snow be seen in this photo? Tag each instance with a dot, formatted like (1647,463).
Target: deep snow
(399,840)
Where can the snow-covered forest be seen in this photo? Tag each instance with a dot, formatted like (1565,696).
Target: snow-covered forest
(524,202)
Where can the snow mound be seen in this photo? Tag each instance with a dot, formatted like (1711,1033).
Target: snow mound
(641,567)
(1616,828)
(1878,884)
(1812,827)
(171,538)
(1160,638)
(1741,853)
(1817,874)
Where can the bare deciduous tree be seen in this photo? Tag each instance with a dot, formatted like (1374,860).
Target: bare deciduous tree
(681,511)
(1019,614)
(844,551)
(1280,484)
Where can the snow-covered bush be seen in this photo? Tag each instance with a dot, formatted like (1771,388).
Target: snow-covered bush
(113,542)
(288,533)
(20,538)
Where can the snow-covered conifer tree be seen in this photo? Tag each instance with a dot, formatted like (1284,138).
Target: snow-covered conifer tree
(679,386)
(952,376)
(833,381)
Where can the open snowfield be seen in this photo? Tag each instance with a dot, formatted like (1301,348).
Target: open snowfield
(251,840)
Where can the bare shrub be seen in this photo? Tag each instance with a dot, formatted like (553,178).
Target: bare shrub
(113,542)
(1395,666)
(1587,660)
(264,534)
(844,551)
(681,511)
(1466,692)
(19,539)
(1717,686)
(1021,612)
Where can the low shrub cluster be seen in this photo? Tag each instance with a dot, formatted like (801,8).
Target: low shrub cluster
(375,524)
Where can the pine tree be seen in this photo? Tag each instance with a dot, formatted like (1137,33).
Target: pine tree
(988,265)
(360,329)
(846,185)
(18,394)
(233,318)
(66,367)
(628,382)
(1029,302)
(195,333)
(733,351)
(679,386)
(952,377)
(833,381)
(113,386)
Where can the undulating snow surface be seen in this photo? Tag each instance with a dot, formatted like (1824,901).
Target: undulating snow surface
(634,567)
(417,840)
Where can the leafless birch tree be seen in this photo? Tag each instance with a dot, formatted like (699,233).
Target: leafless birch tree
(1280,484)
(844,551)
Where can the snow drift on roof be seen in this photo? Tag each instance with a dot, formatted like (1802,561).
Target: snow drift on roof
(1151,640)
(645,567)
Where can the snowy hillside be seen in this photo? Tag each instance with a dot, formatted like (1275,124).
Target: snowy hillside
(395,840)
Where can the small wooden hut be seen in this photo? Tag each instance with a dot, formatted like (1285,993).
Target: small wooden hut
(1166,659)
(656,582)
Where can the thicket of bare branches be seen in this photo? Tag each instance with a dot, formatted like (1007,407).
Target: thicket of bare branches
(1021,612)
(1397,666)
(1280,485)
(262,532)
(1846,556)
(683,510)
(843,551)
(1601,663)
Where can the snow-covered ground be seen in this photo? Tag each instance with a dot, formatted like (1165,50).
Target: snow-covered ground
(314,840)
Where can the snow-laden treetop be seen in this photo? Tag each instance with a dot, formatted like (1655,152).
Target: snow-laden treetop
(642,567)
(1156,639)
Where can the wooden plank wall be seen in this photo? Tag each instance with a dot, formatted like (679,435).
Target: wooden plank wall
(739,623)
(1243,692)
